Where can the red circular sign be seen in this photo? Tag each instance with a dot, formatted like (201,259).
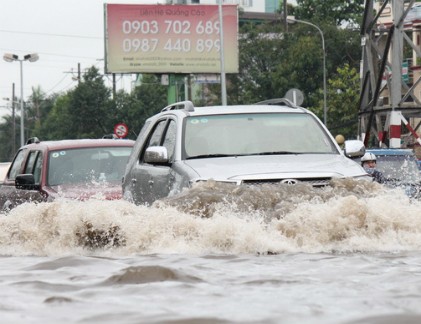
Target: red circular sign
(121,130)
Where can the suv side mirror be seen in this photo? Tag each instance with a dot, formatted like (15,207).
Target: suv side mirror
(26,181)
(156,155)
(354,149)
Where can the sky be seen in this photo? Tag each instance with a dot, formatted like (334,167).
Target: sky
(63,33)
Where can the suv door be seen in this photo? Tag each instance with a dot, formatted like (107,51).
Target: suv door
(153,181)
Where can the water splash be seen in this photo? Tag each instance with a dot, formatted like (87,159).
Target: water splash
(220,218)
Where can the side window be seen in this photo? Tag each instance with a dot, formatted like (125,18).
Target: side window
(16,165)
(155,139)
(38,169)
(169,140)
(34,165)
(29,168)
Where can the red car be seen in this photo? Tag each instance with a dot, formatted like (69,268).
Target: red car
(76,169)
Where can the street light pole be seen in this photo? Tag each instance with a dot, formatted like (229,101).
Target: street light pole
(31,58)
(292,20)
(22,114)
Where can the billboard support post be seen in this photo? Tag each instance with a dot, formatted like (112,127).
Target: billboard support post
(222,58)
(174,93)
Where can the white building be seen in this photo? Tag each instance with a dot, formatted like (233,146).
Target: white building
(268,6)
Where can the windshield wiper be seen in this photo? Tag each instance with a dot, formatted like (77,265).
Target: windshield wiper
(206,156)
(276,153)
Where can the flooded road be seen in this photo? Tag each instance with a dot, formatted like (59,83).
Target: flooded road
(350,253)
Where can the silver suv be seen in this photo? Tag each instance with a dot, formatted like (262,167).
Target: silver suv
(269,142)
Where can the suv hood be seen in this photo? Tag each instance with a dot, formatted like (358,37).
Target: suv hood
(297,166)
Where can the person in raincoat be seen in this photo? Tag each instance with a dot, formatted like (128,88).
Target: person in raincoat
(369,163)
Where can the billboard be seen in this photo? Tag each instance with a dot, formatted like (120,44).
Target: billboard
(169,38)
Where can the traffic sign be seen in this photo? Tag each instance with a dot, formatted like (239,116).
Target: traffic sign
(295,95)
(121,130)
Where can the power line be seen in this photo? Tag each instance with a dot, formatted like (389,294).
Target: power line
(52,54)
(57,84)
(47,34)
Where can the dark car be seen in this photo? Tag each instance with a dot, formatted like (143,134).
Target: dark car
(76,169)
(400,169)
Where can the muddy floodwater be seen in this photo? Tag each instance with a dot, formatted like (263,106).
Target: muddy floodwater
(217,253)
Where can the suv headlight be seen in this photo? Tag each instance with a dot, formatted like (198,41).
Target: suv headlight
(365,177)
(197,180)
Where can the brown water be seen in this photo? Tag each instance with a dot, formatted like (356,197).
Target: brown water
(349,253)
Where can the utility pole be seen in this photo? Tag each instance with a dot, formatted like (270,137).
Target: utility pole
(77,78)
(78,73)
(13,121)
(114,86)
(285,10)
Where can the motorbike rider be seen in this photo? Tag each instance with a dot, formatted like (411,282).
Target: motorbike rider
(369,163)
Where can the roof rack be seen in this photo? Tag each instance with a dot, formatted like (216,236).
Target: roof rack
(33,140)
(187,105)
(277,102)
(109,136)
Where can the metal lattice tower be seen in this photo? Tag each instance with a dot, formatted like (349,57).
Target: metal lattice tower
(390,104)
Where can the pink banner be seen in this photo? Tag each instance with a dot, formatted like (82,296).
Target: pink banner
(170,38)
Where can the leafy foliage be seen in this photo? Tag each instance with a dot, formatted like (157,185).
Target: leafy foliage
(58,123)
(343,100)
(150,98)
(336,12)
(7,138)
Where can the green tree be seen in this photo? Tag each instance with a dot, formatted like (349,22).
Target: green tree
(336,12)
(36,99)
(37,110)
(90,113)
(86,111)
(273,61)
(303,63)
(261,48)
(123,104)
(83,112)
(57,124)
(343,99)
(6,138)
(147,99)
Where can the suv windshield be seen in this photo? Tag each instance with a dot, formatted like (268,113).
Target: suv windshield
(87,165)
(254,134)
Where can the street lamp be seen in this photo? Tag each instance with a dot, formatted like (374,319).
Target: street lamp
(31,58)
(293,20)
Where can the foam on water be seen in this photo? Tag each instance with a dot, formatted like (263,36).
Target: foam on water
(223,219)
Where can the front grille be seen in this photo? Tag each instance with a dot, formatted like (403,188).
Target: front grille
(315,182)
